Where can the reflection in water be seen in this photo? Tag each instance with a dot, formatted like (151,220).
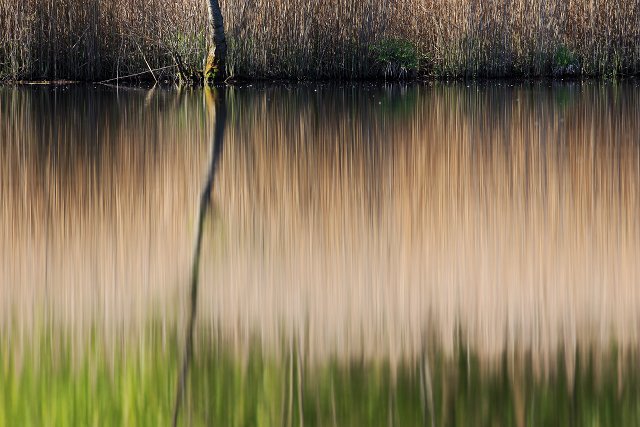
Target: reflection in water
(364,219)
(218,106)
(428,252)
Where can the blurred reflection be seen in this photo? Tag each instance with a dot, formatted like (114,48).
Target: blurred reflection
(218,109)
(424,231)
(362,218)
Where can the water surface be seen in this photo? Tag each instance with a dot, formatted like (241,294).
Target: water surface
(380,255)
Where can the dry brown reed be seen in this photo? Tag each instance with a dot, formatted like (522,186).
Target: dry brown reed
(95,39)
(98,39)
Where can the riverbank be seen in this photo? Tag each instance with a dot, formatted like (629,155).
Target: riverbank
(146,82)
(305,40)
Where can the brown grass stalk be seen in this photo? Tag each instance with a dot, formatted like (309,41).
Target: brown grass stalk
(98,39)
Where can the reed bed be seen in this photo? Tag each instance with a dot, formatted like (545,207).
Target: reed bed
(308,39)
(96,39)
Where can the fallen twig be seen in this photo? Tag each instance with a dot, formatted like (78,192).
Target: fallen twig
(135,75)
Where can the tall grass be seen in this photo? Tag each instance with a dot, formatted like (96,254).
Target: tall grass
(98,39)
(93,39)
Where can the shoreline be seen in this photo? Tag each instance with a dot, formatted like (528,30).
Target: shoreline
(243,82)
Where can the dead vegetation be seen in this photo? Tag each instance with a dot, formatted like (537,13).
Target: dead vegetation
(101,39)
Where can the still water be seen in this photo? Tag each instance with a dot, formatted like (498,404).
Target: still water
(437,254)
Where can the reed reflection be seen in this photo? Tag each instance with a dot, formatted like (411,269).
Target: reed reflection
(354,220)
